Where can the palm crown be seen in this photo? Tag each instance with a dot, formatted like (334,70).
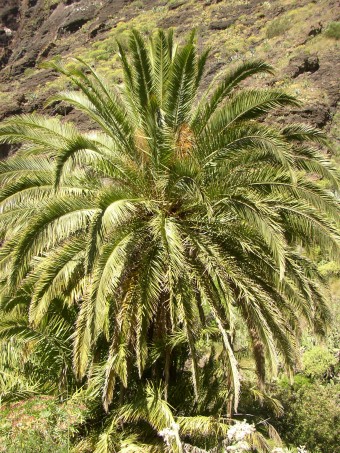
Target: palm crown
(179,213)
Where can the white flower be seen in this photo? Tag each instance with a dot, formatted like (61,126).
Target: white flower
(169,434)
(239,447)
(302,449)
(240,430)
(243,446)
(8,31)
(175,426)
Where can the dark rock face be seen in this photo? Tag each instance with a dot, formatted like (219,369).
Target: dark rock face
(98,29)
(9,22)
(32,31)
(69,2)
(7,150)
(176,5)
(37,29)
(9,13)
(315,30)
(316,116)
(303,63)
(76,18)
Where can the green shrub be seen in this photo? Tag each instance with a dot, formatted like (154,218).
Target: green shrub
(138,4)
(39,425)
(49,3)
(330,269)
(29,72)
(333,30)
(318,362)
(35,441)
(311,415)
(277,27)
(301,381)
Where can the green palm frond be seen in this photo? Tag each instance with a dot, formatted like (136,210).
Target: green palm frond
(225,87)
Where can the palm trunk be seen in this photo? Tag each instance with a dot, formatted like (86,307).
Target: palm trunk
(167,371)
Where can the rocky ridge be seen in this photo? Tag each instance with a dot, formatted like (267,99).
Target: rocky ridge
(290,35)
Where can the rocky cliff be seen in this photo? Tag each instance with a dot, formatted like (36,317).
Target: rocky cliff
(300,38)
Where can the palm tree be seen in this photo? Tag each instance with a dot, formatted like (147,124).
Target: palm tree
(35,359)
(181,216)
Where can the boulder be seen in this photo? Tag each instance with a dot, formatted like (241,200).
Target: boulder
(301,64)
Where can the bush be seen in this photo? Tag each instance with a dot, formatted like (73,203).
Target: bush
(277,27)
(138,4)
(38,425)
(311,415)
(35,441)
(333,30)
(318,363)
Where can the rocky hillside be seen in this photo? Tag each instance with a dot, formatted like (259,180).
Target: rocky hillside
(300,38)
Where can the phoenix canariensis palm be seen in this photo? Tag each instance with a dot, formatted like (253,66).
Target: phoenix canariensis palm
(179,211)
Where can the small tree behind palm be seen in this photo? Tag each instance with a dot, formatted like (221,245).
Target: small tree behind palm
(180,217)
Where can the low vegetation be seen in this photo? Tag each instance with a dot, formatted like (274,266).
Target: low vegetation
(333,30)
(277,27)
